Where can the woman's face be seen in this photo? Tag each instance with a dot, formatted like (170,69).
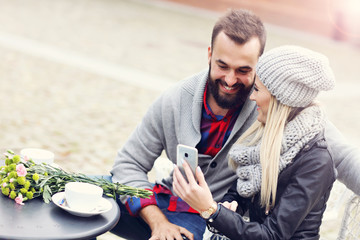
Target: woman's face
(262,98)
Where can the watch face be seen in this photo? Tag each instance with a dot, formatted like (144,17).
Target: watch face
(206,214)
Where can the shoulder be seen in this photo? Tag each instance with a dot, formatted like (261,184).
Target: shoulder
(183,93)
(312,165)
(316,154)
(190,87)
(191,84)
(195,82)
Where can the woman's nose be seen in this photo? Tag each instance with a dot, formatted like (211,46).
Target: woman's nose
(252,96)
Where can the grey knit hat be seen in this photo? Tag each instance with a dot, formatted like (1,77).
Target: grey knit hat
(295,75)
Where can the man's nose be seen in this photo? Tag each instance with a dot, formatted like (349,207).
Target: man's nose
(230,79)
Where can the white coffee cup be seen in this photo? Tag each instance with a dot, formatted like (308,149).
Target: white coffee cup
(83,197)
(38,155)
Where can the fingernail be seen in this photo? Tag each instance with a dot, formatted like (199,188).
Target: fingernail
(199,169)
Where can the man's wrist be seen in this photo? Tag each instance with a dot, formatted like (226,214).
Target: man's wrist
(152,215)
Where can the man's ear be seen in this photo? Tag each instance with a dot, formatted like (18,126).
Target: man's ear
(209,54)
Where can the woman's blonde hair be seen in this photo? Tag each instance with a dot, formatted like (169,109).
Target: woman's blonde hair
(270,136)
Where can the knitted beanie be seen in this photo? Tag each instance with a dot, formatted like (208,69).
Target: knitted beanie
(295,75)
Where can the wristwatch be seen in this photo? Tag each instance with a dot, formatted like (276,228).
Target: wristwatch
(206,214)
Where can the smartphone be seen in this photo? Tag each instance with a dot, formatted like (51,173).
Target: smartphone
(190,154)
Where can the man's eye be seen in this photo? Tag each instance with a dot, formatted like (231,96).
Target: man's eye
(241,71)
(256,89)
(223,67)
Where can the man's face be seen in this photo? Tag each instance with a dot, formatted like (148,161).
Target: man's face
(232,70)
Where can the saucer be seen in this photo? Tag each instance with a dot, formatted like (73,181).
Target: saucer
(60,201)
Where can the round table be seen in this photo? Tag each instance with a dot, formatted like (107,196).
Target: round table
(38,220)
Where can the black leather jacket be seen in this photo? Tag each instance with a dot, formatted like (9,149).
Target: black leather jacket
(303,189)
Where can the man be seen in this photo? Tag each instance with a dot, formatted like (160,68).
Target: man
(209,111)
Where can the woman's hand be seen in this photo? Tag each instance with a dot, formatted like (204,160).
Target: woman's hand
(232,206)
(197,195)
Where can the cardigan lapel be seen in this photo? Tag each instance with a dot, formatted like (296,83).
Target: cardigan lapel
(191,109)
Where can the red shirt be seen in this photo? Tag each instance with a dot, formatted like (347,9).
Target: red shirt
(215,129)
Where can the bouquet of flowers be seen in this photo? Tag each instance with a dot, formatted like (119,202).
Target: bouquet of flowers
(22,180)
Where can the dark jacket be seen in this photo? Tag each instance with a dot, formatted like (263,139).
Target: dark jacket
(303,189)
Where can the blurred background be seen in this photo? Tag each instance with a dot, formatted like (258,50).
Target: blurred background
(76,77)
(334,19)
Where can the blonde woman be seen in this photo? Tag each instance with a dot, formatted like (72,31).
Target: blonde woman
(285,171)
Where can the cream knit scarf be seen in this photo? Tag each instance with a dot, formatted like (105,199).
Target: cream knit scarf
(297,134)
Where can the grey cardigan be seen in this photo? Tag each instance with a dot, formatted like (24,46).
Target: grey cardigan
(175,118)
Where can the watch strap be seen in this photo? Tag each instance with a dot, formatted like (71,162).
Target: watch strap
(215,214)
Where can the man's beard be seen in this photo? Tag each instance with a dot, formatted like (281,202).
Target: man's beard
(228,101)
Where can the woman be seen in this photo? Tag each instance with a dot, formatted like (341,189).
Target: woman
(285,171)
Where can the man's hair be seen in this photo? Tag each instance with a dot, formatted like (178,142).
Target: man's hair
(240,26)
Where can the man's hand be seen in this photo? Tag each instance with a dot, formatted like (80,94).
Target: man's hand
(161,228)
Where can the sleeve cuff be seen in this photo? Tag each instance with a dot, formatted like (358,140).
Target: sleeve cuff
(215,214)
(135,204)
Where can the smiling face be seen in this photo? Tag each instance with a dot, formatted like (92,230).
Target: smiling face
(232,70)
(262,98)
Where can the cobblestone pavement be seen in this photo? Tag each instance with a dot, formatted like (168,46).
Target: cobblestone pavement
(77,76)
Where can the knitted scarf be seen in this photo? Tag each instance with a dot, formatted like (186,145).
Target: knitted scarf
(297,133)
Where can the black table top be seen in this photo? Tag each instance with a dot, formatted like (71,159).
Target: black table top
(38,220)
